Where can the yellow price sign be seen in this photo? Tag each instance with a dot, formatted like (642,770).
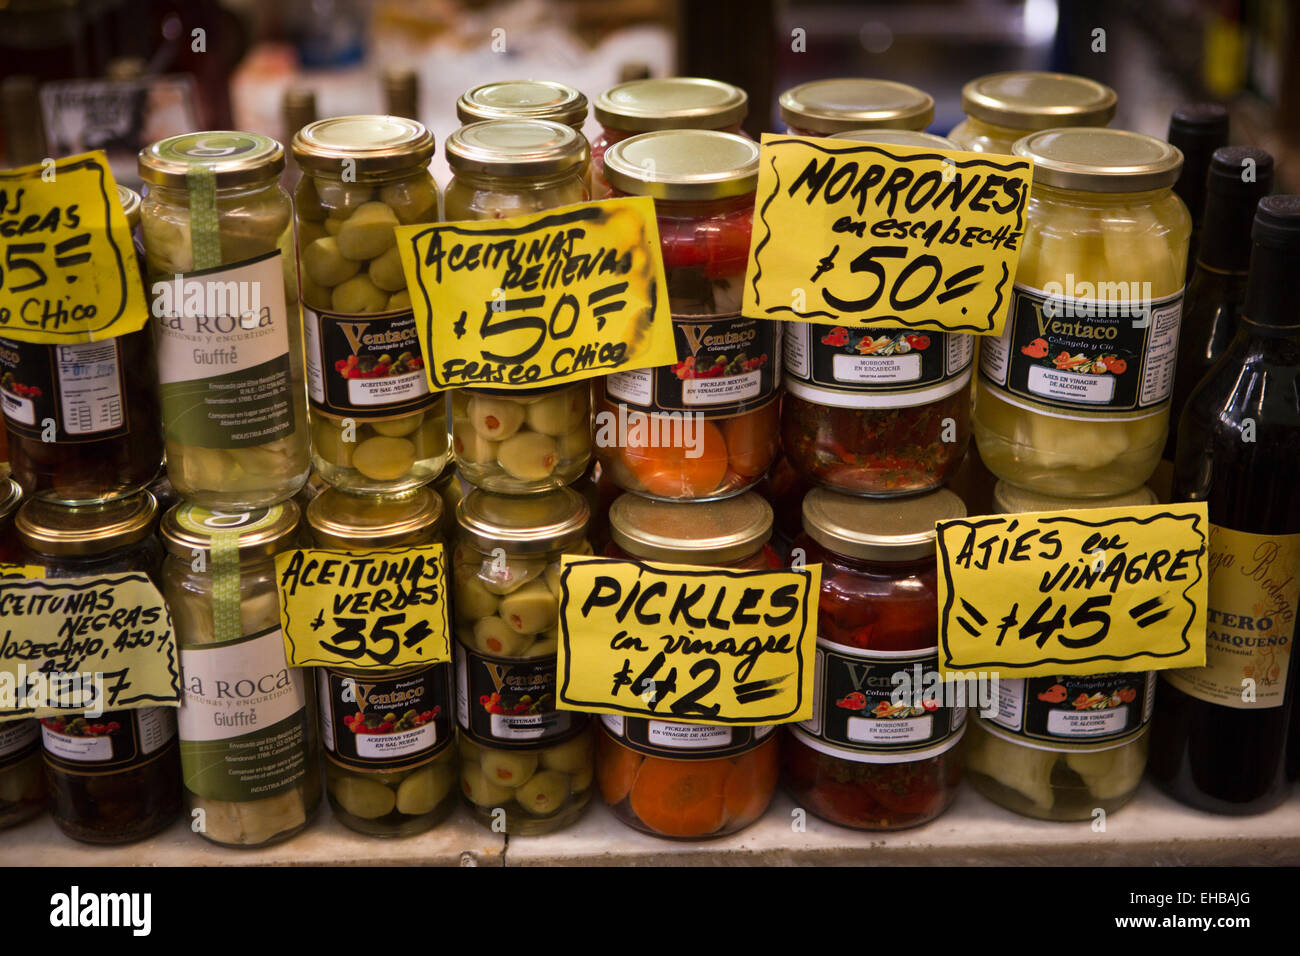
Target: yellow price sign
(1074,592)
(685,643)
(369,610)
(68,272)
(883,236)
(543,299)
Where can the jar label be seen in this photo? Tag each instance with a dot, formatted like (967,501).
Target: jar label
(389,723)
(364,366)
(223,355)
(1251,612)
(1099,355)
(1074,709)
(117,740)
(665,738)
(509,703)
(18,741)
(77,388)
(726,366)
(243,719)
(870,706)
(874,368)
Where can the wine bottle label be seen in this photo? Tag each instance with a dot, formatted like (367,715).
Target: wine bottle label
(76,388)
(363,366)
(1091,709)
(1253,595)
(666,738)
(391,723)
(115,741)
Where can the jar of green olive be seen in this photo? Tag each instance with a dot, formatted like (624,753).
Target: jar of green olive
(823,107)
(218,238)
(523,100)
(390,763)
(250,761)
(376,426)
(525,766)
(1002,107)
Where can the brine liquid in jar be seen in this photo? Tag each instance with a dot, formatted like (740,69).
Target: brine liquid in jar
(22,776)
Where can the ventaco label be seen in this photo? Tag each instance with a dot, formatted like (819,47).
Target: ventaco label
(365,366)
(1254,591)
(77,388)
(510,703)
(385,722)
(117,740)
(1111,355)
(1074,708)
(665,738)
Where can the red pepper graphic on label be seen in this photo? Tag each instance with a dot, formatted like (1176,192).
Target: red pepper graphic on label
(837,336)
(1035,349)
(1053,695)
(852,701)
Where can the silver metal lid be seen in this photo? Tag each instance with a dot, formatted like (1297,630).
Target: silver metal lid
(1095,159)
(516,148)
(376,143)
(523,99)
(233,157)
(674,102)
(683,164)
(1029,100)
(830,106)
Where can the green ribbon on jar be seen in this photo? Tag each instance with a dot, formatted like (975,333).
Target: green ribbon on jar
(224,556)
(205,233)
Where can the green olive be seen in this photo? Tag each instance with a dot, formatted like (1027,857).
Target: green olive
(424,789)
(363,798)
(358,295)
(386,271)
(327,436)
(398,427)
(544,793)
(412,200)
(368,232)
(325,265)
(384,459)
(529,456)
(399,301)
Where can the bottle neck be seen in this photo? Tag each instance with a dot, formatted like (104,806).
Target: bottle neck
(1272,304)
(1225,232)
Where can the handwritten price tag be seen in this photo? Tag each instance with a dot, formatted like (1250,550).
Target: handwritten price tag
(371,610)
(78,644)
(691,644)
(869,235)
(68,272)
(1074,592)
(544,299)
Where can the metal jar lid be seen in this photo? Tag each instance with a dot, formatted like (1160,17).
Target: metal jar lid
(1008,499)
(48,528)
(898,137)
(1095,159)
(261,532)
(516,148)
(11,495)
(234,158)
(529,524)
(829,106)
(523,99)
(879,529)
(341,520)
(130,200)
(683,164)
(691,532)
(672,102)
(1029,100)
(377,143)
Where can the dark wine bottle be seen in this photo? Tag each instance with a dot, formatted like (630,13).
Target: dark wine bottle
(1197,129)
(1219,738)
(1239,177)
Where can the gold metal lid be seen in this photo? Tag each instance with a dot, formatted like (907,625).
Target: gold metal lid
(673,102)
(187,528)
(235,158)
(523,525)
(516,148)
(130,200)
(683,164)
(829,106)
(1008,499)
(49,528)
(378,143)
(1028,100)
(1099,160)
(11,495)
(523,99)
(880,529)
(694,532)
(341,520)
(898,137)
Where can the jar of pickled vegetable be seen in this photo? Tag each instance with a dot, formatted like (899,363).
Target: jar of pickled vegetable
(881,749)
(526,768)
(22,781)
(1000,108)
(107,439)
(250,758)
(523,100)
(376,426)
(674,102)
(1073,398)
(706,426)
(447,487)
(823,107)
(111,537)
(688,780)
(218,238)
(390,767)
(11,495)
(1060,747)
(784,489)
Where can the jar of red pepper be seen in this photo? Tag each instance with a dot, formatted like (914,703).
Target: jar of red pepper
(881,749)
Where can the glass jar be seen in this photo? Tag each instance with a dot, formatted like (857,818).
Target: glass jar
(22,781)
(674,102)
(447,487)
(376,426)
(11,496)
(823,107)
(1073,398)
(526,768)
(1060,747)
(250,759)
(688,780)
(1002,107)
(390,767)
(526,99)
(705,427)
(112,537)
(503,168)
(107,440)
(218,238)
(878,752)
